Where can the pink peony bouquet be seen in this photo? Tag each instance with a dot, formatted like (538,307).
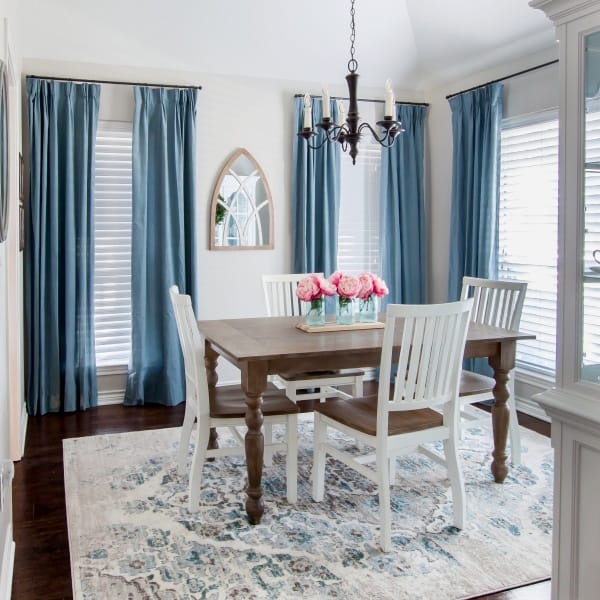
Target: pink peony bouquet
(371,284)
(347,286)
(314,287)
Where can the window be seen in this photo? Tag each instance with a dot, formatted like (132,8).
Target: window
(358,233)
(112,285)
(528,231)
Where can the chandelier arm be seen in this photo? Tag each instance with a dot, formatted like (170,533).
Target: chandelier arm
(387,138)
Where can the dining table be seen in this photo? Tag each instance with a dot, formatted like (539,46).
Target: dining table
(265,346)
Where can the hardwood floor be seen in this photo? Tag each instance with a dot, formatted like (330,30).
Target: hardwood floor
(42,569)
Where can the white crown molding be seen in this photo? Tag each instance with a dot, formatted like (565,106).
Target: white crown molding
(562,11)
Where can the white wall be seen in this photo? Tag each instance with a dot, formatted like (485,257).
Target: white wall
(523,94)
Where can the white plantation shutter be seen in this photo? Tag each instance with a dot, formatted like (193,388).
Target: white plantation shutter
(591,288)
(528,232)
(358,229)
(112,285)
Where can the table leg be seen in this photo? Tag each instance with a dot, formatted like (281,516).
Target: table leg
(211,358)
(502,364)
(254,383)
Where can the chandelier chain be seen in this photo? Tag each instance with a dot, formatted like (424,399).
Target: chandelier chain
(352,63)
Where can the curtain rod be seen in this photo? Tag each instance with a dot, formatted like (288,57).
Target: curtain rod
(364,100)
(475,87)
(159,85)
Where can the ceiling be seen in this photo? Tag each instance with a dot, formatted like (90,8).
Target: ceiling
(418,43)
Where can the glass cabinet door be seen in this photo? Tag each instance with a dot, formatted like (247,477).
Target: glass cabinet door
(590,340)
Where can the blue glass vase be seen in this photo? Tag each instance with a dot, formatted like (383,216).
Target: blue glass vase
(345,311)
(316,313)
(367,309)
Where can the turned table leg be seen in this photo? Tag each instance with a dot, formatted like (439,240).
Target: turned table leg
(254,383)
(502,364)
(211,358)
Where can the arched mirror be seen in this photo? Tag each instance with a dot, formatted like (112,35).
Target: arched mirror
(241,215)
(3,154)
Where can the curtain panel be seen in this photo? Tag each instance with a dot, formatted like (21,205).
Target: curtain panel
(315,195)
(476,124)
(402,209)
(59,254)
(163,239)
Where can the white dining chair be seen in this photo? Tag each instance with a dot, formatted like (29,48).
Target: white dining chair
(281,301)
(498,303)
(422,407)
(226,409)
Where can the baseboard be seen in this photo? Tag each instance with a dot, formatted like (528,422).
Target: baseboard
(8,561)
(110,397)
(24,417)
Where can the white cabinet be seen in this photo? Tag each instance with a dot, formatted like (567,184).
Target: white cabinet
(7,545)
(574,405)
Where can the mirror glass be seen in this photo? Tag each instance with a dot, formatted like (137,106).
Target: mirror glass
(241,211)
(3,154)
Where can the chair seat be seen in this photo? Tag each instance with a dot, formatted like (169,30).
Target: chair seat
(321,374)
(361,414)
(472,384)
(230,403)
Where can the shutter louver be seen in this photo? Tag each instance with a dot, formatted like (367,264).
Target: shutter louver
(528,234)
(112,285)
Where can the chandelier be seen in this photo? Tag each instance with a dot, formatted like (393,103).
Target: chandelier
(348,131)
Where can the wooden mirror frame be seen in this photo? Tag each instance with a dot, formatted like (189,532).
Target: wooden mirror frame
(215,197)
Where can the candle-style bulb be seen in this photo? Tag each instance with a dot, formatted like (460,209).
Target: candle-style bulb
(389,99)
(326,110)
(307,112)
(341,113)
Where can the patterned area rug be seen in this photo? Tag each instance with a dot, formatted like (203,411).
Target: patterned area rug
(131,535)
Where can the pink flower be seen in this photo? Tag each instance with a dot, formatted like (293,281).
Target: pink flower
(366,285)
(379,287)
(308,289)
(348,286)
(335,277)
(313,287)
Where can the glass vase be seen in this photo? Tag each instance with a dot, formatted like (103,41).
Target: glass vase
(316,313)
(345,311)
(367,309)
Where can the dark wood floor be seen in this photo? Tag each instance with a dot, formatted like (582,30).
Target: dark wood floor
(42,569)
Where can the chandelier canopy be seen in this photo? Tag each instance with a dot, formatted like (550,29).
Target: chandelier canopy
(348,130)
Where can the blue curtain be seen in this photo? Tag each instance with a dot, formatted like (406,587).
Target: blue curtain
(476,122)
(402,210)
(163,239)
(59,254)
(315,196)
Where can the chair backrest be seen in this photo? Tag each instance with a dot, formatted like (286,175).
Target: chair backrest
(280,295)
(432,341)
(495,302)
(192,347)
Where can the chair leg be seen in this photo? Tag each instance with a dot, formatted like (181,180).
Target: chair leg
(198,459)
(457,483)
(385,511)
(318,470)
(268,453)
(291,461)
(514,433)
(357,388)
(184,439)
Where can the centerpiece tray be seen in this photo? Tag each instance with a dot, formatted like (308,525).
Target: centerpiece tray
(333,326)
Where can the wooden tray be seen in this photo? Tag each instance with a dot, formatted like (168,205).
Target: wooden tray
(332,326)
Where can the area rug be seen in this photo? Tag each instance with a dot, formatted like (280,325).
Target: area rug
(132,537)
